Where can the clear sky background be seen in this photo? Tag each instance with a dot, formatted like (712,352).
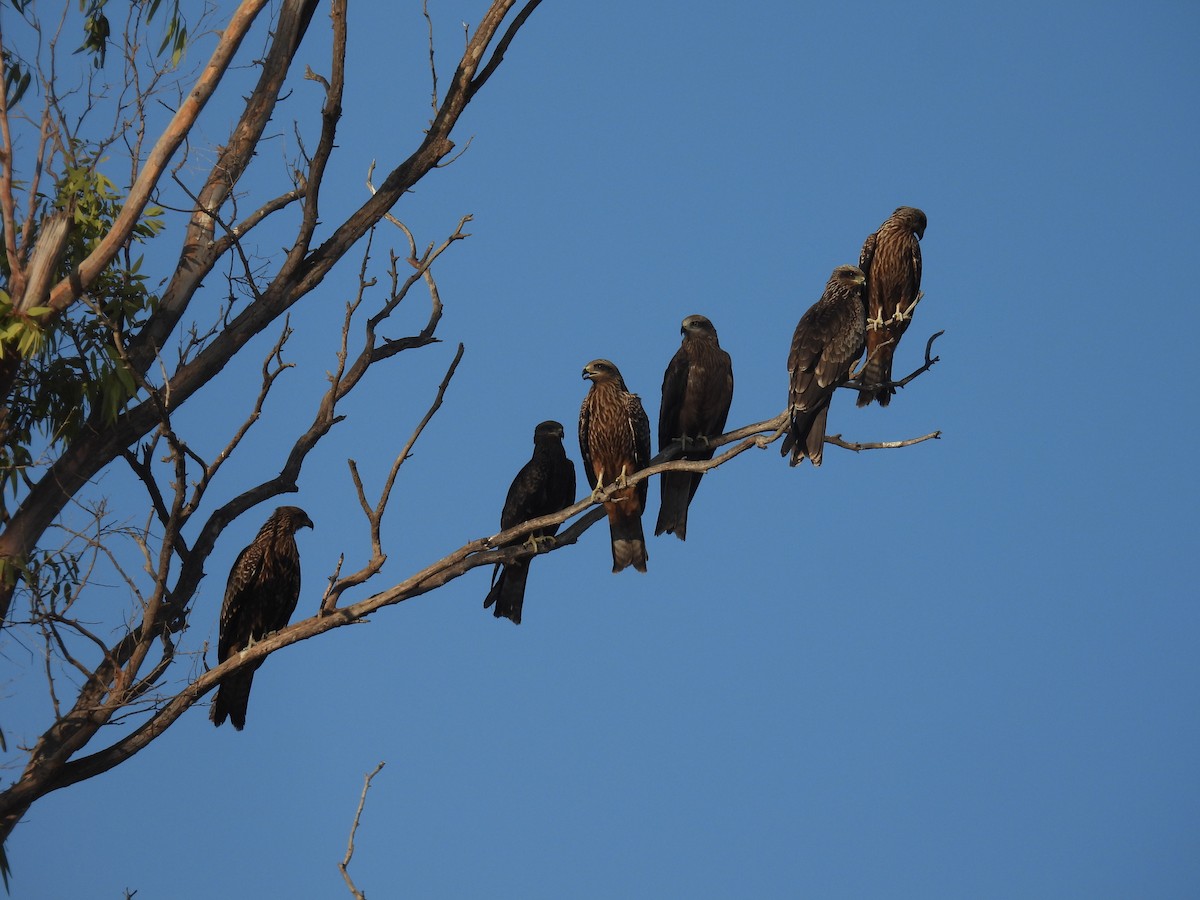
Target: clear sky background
(964,669)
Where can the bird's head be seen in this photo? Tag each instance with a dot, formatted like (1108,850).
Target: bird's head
(914,219)
(697,325)
(548,430)
(293,518)
(601,370)
(848,275)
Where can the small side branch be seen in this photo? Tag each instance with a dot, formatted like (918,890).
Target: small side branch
(344,865)
(929,361)
(432,63)
(375,514)
(502,47)
(836,440)
(855,381)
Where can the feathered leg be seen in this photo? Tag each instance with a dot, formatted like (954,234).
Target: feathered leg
(877,371)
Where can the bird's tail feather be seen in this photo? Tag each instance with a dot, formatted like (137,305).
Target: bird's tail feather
(628,541)
(806,438)
(231,700)
(676,494)
(816,435)
(508,592)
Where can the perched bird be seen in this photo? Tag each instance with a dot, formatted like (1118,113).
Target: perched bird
(544,485)
(696,393)
(827,341)
(614,437)
(264,585)
(891,260)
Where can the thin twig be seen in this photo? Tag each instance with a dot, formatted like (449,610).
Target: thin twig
(375,515)
(344,865)
(432,65)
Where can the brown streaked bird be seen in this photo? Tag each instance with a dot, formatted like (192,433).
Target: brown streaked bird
(696,393)
(614,437)
(544,485)
(891,260)
(260,597)
(827,341)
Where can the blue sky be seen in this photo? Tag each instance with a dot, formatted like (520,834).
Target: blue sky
(967,668)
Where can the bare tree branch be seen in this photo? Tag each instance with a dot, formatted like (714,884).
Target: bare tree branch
(836,440)
(344,865)
(478,552)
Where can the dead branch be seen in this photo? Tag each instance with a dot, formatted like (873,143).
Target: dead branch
(836,440)
(272,367)
(326,602)
(47,253)
(855,382)
(375,514)
(432,64)
(479,552)
(344,865)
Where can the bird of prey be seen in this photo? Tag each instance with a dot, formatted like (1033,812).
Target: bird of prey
(614,437)
(827,341)
(696,393)
(891,260)
(544,485)
(264,585)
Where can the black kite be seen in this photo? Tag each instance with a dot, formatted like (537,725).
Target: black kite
(696,393)
(827,341)
(260,597)
(544,485)
(891,260)
(614,437)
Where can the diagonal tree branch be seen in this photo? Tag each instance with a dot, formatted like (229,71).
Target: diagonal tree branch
(68,290)
(486,551)
(100,443)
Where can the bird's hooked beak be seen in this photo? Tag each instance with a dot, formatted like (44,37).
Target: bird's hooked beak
(587,374)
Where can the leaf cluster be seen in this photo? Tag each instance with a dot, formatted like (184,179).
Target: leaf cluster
(74,367)
(97,30)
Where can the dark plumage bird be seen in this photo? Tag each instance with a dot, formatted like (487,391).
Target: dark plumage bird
(891,260)
(614,437)
(264,585)
(827,341)
(696,393)
(544,485)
